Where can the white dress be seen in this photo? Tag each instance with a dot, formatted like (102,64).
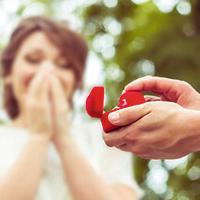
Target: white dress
(113,164)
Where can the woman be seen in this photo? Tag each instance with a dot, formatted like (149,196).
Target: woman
(43,154)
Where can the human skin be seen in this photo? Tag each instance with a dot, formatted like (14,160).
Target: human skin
(165,127)
(42,86)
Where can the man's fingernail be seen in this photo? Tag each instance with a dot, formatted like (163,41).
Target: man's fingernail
(114,116)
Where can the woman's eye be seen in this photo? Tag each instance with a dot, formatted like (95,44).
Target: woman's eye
(33,59)
(64,65)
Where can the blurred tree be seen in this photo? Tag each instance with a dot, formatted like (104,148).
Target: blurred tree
(136,40)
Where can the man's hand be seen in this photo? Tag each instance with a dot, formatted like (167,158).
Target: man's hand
(176,91)
(156,130)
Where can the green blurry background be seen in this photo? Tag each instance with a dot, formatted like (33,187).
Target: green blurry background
(129,39)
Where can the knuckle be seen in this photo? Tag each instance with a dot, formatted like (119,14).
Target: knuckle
(126,114)
(143,151)
(108,142)
(163,144)
(129,138)
(132,134)
(137,151)
(185,84)
(125,148)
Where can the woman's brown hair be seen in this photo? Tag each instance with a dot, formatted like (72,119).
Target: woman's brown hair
(71,44)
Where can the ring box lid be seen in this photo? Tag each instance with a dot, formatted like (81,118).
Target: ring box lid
(130,98)
(95,102)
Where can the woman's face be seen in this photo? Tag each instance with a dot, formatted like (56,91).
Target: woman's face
(36,53)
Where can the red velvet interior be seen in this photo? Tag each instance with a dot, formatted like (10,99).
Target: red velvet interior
(95,102)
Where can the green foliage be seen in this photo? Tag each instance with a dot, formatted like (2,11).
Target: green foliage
(142,40)
(151,42)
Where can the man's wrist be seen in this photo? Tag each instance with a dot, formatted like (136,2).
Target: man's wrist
(194,130)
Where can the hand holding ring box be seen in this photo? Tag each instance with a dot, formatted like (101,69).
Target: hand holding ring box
(95,105)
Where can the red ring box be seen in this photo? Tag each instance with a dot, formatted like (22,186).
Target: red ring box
(95,105)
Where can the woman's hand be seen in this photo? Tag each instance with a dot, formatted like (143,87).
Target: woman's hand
(37,108)
(60,110)
(156,130)
(168,90)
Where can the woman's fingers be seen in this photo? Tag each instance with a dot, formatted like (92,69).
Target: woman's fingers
(39,90)
(37,85)
(38,108)
(57,93)
(59,106)
(45,96)
(59,103)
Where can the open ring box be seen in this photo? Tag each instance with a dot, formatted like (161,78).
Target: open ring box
(95,105)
